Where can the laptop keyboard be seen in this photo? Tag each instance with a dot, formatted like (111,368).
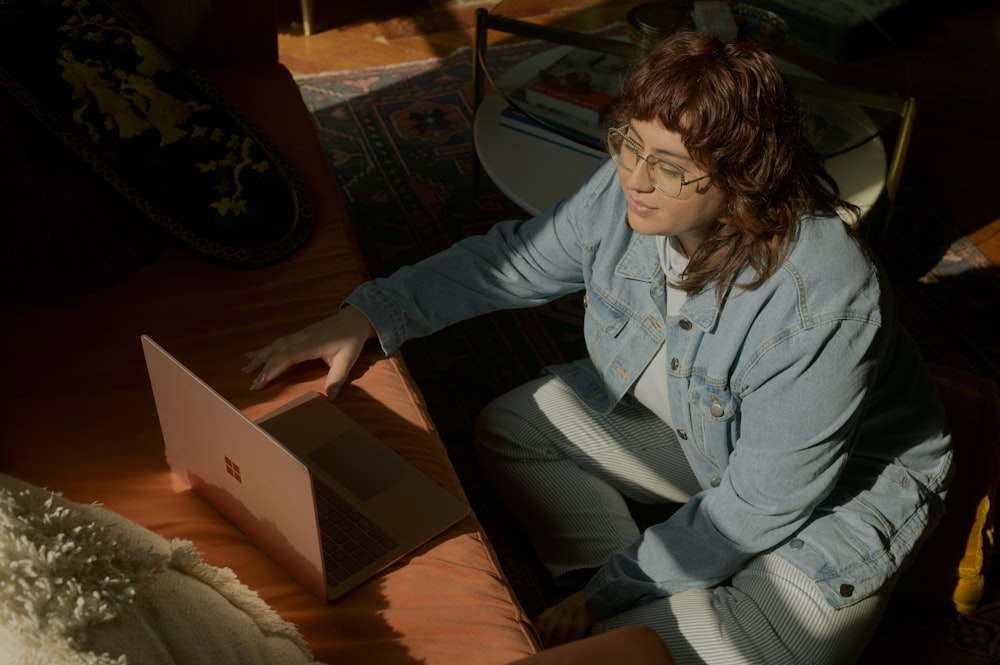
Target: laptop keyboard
(350,540)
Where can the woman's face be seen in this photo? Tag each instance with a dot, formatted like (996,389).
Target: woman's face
(696,210)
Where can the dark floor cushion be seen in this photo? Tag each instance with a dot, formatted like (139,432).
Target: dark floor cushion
(67,231)
(160,137)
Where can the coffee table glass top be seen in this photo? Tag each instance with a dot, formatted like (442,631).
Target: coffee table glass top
(536,172)
(828,49)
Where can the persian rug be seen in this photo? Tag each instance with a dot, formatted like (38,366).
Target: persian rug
(400,142)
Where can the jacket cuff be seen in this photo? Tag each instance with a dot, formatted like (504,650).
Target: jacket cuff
(385,318)
(604,594)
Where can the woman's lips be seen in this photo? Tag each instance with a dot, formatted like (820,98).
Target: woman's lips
(639,208)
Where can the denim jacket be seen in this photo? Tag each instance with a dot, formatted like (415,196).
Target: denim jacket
(804,409)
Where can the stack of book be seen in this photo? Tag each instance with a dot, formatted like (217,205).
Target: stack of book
(568,102)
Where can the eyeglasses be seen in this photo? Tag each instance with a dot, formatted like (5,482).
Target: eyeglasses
(664,175)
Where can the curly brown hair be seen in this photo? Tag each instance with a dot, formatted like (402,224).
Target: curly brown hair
(740,122)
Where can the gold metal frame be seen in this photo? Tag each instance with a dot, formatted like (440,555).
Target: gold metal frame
(307,7)
(879,222)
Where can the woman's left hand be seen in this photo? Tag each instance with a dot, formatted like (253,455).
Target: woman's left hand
(569,620)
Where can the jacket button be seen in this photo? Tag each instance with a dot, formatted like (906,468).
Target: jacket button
(716,409)
(674,364)
(685,324)
(846,590)
(715,482)
(682,435)
(796,544)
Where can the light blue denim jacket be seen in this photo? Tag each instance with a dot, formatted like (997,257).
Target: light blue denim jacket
(805,410)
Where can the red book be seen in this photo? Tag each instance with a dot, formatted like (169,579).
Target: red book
(582,83)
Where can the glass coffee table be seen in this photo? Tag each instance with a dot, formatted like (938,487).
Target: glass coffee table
(848,116)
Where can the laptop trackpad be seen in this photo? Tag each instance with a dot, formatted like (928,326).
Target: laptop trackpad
(364,469)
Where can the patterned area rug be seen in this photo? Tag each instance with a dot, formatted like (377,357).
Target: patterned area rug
(400,141)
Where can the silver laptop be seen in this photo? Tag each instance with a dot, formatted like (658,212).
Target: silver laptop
(325,498)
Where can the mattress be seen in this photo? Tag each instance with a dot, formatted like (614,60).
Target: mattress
(79,416)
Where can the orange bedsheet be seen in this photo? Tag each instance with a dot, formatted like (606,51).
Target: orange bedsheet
(78,416)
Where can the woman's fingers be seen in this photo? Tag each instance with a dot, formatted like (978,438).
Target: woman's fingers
(337,340)
(340,367)
(272,361)
(567,621)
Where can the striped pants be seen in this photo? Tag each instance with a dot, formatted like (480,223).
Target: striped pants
(566,472)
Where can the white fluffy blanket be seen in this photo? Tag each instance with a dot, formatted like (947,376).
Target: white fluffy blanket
(82,585)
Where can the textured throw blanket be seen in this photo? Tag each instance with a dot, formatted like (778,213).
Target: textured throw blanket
(82,585)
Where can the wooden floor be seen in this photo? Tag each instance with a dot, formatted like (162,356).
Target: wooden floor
(951,178)
(402,30)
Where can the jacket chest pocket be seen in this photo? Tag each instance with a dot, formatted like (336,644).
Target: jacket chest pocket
(602,324)
(714,419)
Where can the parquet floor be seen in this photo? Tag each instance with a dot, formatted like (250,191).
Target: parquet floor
(954,63)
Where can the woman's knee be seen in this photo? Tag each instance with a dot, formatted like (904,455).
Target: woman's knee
(500,429)
(489,428)
(510,423)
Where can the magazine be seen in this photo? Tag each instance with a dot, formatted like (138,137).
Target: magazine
(585,144)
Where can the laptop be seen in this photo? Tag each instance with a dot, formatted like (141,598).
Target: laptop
(320,494)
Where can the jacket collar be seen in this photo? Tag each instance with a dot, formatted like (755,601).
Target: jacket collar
(641,262)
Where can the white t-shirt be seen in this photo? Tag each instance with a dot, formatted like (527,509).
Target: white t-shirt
(651,388)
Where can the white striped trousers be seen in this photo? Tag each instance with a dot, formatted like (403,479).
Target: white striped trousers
(565,472)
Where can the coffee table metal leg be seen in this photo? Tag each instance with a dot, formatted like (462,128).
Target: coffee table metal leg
(307,16)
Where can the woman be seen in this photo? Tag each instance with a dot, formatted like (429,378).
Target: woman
(744,363)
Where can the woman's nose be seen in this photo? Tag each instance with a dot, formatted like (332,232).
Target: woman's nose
(638,177)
